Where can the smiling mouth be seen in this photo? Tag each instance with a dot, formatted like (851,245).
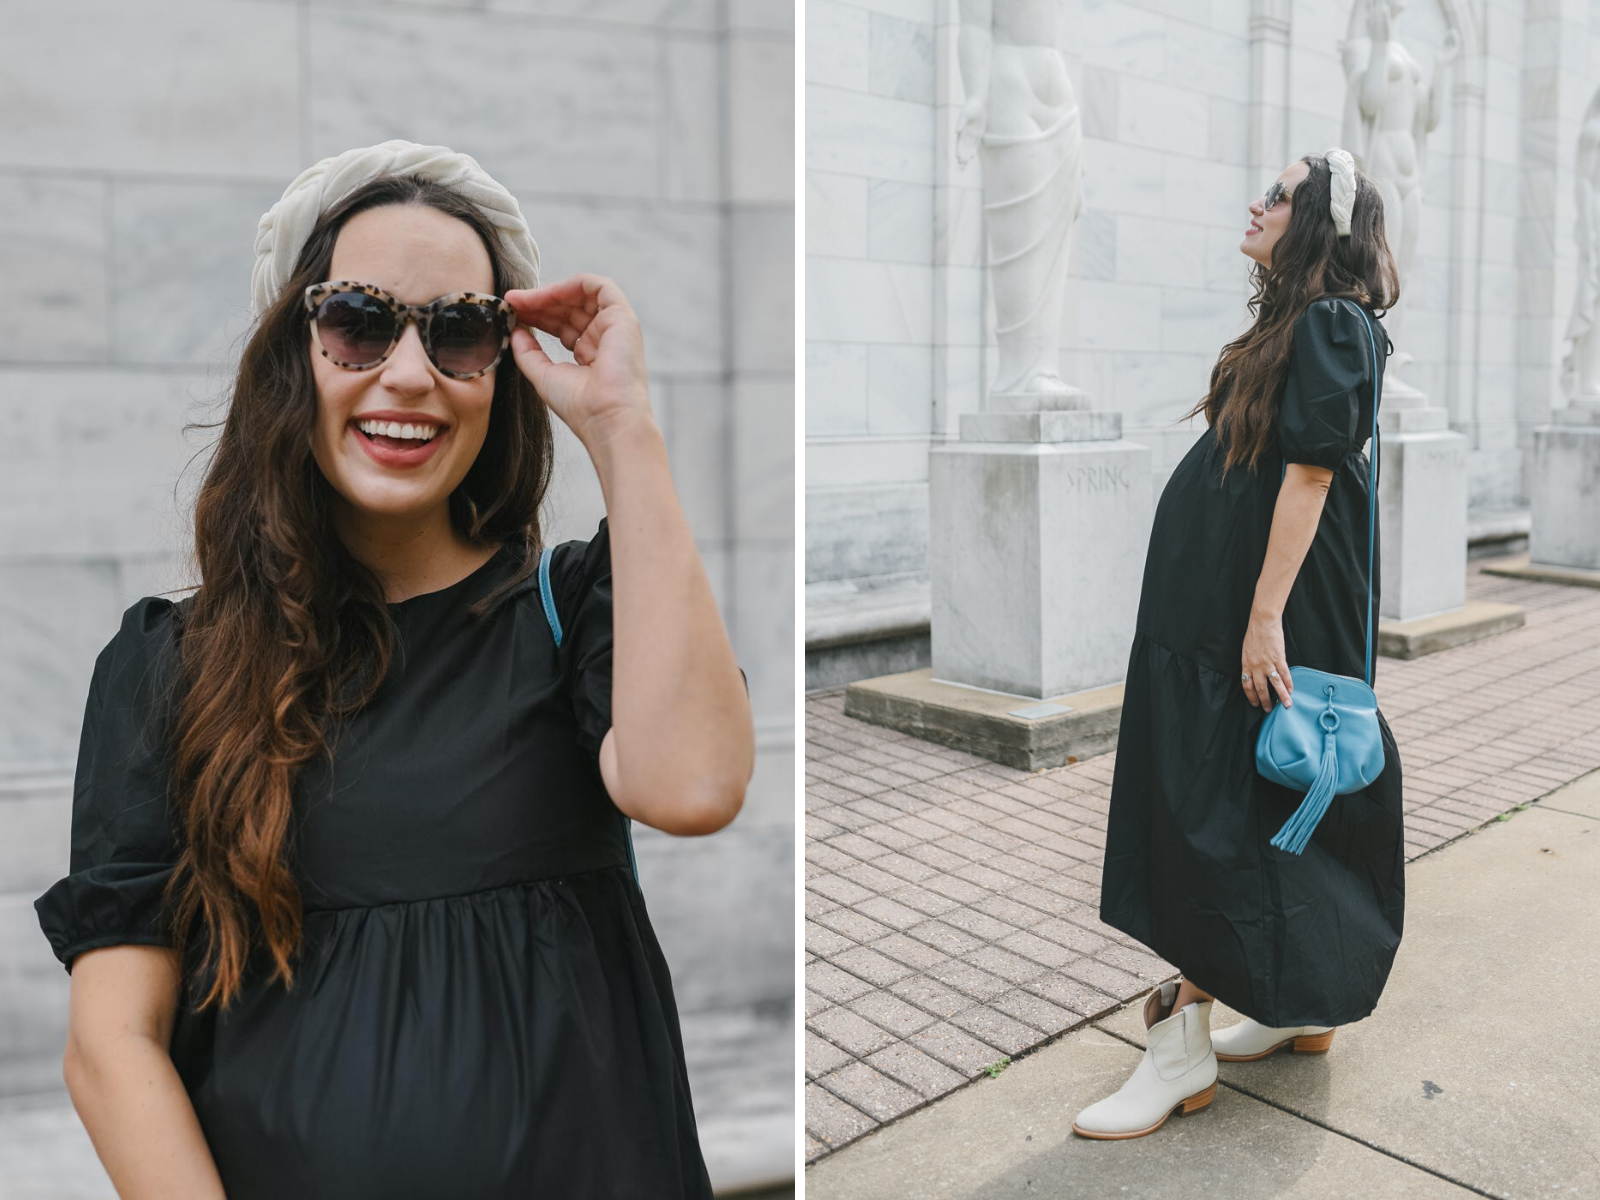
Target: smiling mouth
(394,443)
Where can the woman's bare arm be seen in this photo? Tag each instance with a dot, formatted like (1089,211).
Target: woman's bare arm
(1294,526)
(686,747)
(122,1080)
(681,749)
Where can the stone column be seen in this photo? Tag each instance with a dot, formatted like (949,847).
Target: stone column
(1039,522)
(1269,91)
(1422,507)
(1566,489)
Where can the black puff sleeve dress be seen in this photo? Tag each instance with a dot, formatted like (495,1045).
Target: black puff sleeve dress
(1285,939)
(481,1007)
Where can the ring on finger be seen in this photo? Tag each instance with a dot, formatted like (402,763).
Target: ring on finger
(1245,678)
(1273,674)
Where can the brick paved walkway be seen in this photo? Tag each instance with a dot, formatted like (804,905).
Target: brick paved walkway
(952,903)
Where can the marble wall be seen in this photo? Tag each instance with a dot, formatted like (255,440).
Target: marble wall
(650,140)
(1189,108)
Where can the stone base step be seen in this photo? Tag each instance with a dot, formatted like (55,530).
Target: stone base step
(1476,620)
(1048,733)
(1521,568)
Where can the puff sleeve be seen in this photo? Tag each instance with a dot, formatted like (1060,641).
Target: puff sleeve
(122,841)
(580,578)
(1327,389)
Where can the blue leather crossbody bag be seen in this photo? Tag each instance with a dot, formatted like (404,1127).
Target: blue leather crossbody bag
(1328,743)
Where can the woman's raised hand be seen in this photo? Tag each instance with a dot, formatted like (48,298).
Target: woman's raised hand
(607,387)
(1264,662)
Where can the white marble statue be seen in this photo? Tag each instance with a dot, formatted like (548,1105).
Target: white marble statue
(1582,368)
(1390,108)
(1021,116)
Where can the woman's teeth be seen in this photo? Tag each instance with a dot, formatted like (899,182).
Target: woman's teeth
(422,433)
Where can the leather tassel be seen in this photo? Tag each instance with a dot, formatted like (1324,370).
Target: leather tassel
(1297,830)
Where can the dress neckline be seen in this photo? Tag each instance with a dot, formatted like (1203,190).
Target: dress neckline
(457,586)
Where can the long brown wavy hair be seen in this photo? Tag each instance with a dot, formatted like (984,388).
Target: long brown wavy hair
(1309,261)
(289,634)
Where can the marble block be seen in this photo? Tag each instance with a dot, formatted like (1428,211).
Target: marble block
(1045,425)
(699,16)
(665,259)
(1072,399)
(1422,518)
(760,612)
(171,88)
(1412,420)
(866,530)
(374,73)
(764,460)
(1565,523)
(181,254)
(723,911)
(758,116)
(1036,554)
(44,1149)
(55,617)
(53,241)
(692,98)
(36,813)
(33,1000)
(762,289)
(95,463)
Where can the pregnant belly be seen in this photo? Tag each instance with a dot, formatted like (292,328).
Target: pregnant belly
(483,1045)
(1207,544)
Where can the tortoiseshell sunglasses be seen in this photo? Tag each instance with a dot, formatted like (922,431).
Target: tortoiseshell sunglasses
(358,325)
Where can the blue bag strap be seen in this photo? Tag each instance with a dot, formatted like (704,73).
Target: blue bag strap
(1372,489)
(548,599)
(1372,486)
(544,593)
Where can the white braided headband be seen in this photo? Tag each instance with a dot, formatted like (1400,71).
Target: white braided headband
(1341,188)
(283,230)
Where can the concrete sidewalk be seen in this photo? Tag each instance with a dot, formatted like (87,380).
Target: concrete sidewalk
(1479,1073)
(952,903)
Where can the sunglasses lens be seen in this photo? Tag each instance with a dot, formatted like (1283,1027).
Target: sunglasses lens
(467,337)
(354,327)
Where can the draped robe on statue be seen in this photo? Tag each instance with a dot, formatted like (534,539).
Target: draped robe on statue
(1032,193)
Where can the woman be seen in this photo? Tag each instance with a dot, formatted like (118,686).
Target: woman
(1259,559)
(352,909)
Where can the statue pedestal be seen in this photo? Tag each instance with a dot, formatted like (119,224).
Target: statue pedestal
(1422,507)
(1070,399)
(1565,521)
(1038,525)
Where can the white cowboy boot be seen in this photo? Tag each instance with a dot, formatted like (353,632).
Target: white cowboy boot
(1248,1040)
(1178,1070)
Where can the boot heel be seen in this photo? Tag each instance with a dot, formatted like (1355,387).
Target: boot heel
(1199,1100)
(1314,1043)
